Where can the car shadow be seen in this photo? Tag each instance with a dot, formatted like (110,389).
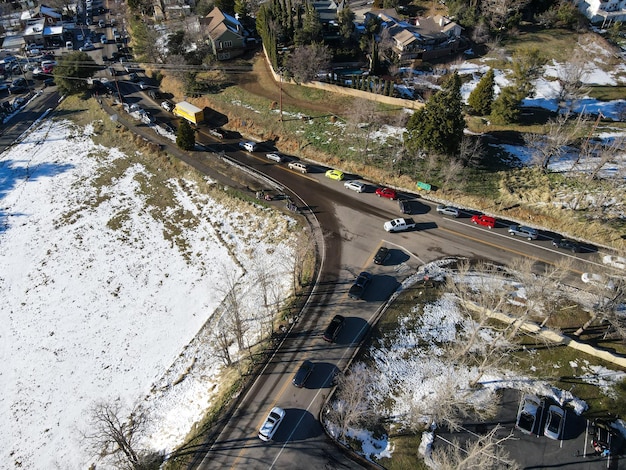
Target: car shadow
(396,257)
(302,425)
(425,226)
(322,376)
(413,206)
(353,330)
(380,288)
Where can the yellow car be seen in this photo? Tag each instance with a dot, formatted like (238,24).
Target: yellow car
(334,175)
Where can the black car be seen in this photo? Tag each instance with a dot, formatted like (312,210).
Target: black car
(17,89)
(566,244)
(154,94)
(358,288)
(382,255)
(405,206)
(303,373)
(334,328)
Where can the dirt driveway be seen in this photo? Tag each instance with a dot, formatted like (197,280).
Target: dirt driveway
(260,82)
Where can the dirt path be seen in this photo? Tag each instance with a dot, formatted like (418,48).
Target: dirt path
(260,82)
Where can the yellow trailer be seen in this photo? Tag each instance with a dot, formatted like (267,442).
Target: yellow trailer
(189,112)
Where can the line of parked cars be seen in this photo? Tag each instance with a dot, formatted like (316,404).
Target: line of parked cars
(530,416)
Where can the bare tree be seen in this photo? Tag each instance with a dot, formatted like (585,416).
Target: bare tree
(560,133)
(306,61)
(471,151)
(233,308)
(363,118)
(610,296)
(116,435)
(351,406)
(220,342)
(497,12)
(571,77)
(452,172)
(450,405)
(485,453)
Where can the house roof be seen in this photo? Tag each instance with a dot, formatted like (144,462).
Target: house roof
(217,23)
(36,27)
(40,11)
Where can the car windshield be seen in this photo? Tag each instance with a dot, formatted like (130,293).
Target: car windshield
(555,422)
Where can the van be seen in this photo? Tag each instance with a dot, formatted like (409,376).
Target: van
(249,146)
(298,166)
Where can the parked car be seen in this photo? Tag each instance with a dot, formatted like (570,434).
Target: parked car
(101,23)
(555,422)
(167,106)
(382,255)
(484,220)
(566,244)
(357,186)
(387,193)
(333,329)
(358,288)
(219,133)
(298,166)
(618,262)
(335,175)
(448,210)
(605,439)
(133,77)
(523,231)
(303,373)
(274,156)
(271,423)
(103,39)
(249,146)
(405,206)
(527,414)
(598,280)
(154,94)
(79,37)
(87,47)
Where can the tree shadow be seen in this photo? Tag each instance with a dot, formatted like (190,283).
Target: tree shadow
(14,173)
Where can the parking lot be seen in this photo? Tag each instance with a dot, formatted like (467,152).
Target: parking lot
(573,451)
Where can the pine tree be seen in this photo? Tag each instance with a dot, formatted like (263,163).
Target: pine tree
(481,98)
(438,126)
(505,108)
(185,137)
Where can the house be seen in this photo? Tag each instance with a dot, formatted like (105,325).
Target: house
(419,38)
(50,15)
(603,11)
(225,34)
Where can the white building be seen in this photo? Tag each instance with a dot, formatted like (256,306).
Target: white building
(603,11)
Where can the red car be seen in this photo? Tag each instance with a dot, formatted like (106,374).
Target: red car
(484,220)
(387,192)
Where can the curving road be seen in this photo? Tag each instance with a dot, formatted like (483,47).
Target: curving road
(352,229)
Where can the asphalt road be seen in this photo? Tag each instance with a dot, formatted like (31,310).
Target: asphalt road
(352,230)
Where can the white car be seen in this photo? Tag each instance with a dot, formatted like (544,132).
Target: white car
(357,186)
(555,423)
(598,280)
(277,157)
(271,424)
(618,262)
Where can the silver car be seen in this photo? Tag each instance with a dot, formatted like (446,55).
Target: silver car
(271,423)
(277,157)
(448,210)
(355,186)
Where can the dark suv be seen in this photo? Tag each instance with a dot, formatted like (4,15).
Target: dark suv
(382,255)
(333,328)
(358,288)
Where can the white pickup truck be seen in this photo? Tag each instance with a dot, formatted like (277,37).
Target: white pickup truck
(399,225)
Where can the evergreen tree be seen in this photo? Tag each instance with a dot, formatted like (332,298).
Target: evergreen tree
(185,137)
(72,71)
(505,108)
(311,30)
(438,126)
(481,98)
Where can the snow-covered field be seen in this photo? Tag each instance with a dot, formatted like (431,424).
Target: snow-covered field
(102,294)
